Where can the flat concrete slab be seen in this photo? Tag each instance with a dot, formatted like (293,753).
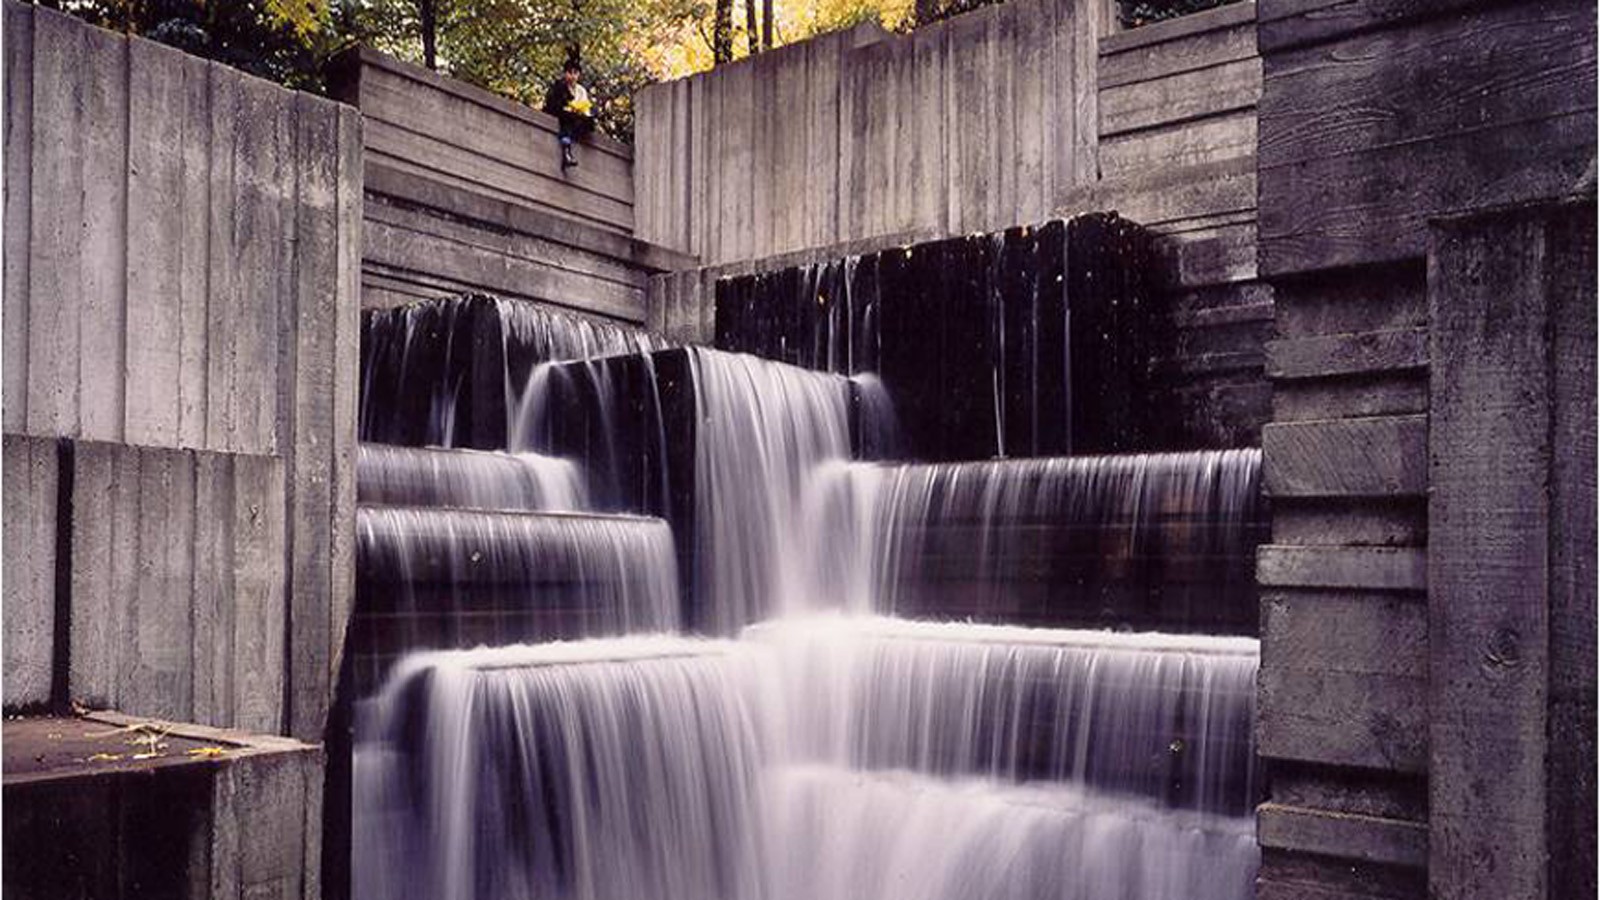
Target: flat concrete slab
(103,743)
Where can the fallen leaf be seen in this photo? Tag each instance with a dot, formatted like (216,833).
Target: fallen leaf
(105,757)
(207,752)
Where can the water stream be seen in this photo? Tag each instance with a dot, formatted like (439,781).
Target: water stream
(761,691)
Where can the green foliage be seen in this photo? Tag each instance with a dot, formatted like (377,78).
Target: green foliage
(1135,13)
(517,47)
(282,40)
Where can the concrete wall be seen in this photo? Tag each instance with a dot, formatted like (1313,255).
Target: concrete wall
(1001,117)
(180,253)
(1160,127)
(974,124)
(464,194)
(1427,685)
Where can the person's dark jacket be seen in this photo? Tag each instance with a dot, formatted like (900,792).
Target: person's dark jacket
(555,103)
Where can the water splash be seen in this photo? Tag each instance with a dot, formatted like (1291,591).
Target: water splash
(834,759)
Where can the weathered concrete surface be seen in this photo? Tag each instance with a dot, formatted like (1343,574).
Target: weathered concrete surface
(32,474)
(178,239)
(421,122)
(424,238)
(1458,680)
(178,600)
(241,824)
(975,124)
(1354,162)
(1511,554)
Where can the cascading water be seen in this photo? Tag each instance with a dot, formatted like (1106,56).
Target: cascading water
(467,479)
(764,430)
(1089,537)
(815,749)
(602,770)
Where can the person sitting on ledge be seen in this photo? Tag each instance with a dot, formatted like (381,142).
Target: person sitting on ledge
(568,101)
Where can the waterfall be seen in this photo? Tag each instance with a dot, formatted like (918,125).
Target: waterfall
(467,479)
(439,578)
(601,770)
(813,760)
(873,679)
(1057,539)
(763,431)
(1162,716)
(445,372)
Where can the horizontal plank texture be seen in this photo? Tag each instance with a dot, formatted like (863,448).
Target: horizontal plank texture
(181,237)
(424,123)
(1370,125)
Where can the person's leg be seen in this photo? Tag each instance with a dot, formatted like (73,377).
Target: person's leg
(567,159)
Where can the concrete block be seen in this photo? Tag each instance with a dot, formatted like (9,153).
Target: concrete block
(1376,457)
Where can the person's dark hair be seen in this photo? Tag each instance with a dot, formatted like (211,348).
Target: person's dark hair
(573,65)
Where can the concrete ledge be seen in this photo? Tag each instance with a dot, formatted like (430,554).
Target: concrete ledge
(366,56)
(1367,838)
(1365,720)
(1377,457)
(241,818)
(1372,568)
(1181,27)
(452,200)
(1348,354)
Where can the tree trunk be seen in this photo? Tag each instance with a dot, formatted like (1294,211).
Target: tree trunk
(722,33)
(752,34)
(766,24)
(428,19)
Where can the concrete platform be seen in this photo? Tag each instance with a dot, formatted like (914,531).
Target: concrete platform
(110,806)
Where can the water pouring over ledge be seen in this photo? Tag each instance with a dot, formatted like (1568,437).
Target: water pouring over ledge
(1005,763)
(674,768)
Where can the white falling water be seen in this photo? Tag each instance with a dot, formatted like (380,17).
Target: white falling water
(834,757)
(1131,508)
(1160,716)
(467,479)
(763,433)
(623,769)
(612,574)
(817,760)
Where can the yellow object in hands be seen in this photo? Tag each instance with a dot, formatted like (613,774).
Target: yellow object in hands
(579,105)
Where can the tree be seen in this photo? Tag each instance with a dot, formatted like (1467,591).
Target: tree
(722,33)
(283,40)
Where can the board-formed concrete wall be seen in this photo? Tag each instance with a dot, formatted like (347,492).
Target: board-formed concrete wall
(1168,139)
(464,195)
(1427,215)
(181,247)
(1001,117)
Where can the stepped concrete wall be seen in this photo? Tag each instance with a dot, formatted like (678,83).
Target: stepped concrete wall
(464,193)
(1427,691)
(1157,123)
(179,389)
